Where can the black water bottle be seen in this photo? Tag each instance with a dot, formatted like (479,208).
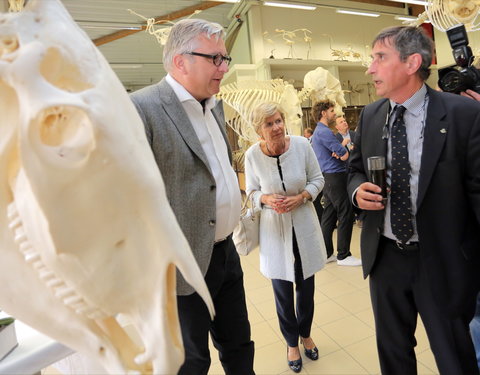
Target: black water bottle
(377,174)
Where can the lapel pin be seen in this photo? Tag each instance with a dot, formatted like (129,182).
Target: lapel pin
(443,130)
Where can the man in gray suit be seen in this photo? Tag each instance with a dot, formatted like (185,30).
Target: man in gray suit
(185,127)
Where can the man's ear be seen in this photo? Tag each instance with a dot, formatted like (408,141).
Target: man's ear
(179,63)
(414,62)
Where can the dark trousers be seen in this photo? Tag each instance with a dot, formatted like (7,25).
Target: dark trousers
(337,207)
(400,291)
(292,325)
(317,203)
(230,329)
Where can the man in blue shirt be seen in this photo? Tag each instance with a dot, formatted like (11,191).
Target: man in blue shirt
(331,156)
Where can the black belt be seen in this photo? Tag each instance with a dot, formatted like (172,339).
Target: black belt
(219,241)
(412,246)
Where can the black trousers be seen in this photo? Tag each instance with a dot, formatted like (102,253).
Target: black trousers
(292,325)
(399,292)
(230,329)
(317,203)
(337,207)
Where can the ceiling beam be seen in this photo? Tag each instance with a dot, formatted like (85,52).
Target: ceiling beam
(167,17)
(415,10)
(381,2)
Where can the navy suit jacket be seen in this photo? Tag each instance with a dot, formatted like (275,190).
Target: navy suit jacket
(448,205)
(340,137)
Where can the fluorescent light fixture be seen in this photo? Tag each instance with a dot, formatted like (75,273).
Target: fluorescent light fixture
(287,5)
(111,27)
(405,18)
(126,66)
(415,2)
(226,1)
(358,13)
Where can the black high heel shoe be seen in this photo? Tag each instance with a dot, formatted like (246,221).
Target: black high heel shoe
(310,353)
(295,365)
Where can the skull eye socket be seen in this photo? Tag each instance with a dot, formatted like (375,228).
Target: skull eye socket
(63,132)
(8,44)
(62,73)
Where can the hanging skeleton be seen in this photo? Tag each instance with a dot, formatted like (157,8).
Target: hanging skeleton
(242,97)
(322,85)
(444,14)
(160,33)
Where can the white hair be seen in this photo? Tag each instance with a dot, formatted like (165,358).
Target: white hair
(184,38)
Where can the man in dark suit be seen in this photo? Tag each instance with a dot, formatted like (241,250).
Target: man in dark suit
(345,136)
(420,248)
(185,128)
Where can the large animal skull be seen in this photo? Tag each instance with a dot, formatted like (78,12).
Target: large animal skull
(86,232)
(323,85)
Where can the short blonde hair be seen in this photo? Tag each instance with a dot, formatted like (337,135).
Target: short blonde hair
(264,110)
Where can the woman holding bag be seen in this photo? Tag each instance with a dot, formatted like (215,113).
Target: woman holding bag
(284,176)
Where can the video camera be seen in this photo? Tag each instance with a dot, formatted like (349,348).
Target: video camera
(463,76)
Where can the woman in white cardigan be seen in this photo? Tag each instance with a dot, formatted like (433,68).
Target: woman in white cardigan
(285,177)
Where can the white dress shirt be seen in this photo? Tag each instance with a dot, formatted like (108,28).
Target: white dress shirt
(215,148)
(414,117)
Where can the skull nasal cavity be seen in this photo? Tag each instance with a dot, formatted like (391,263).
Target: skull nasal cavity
(8,44)
(62,73)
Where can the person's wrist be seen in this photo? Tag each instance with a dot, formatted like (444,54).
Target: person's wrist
(304,197)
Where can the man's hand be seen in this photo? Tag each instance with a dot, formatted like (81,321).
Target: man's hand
(368,197)
(345,141)
(471,94)
(342,158)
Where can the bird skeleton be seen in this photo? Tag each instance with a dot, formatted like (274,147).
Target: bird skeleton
(161,34)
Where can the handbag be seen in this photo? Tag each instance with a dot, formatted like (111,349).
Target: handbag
(246,233)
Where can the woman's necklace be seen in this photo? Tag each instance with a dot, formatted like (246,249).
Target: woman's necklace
(271,153)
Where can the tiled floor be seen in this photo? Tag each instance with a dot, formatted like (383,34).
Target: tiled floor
(343,327)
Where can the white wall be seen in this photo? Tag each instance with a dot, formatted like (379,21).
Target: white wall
(444,51)
(346,30)
(240,52)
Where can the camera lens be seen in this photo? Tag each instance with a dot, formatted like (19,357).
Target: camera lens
(453,81)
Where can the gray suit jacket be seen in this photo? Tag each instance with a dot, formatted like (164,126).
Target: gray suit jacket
(189,183)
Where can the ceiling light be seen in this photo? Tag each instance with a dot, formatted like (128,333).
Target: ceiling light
(405,18)
(287,5)
(227,1)
(126,66)
(416,2)
(357,13)
(111,27)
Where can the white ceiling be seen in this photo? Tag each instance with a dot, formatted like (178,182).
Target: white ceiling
(136,58)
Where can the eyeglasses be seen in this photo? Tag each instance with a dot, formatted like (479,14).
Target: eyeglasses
(217,59)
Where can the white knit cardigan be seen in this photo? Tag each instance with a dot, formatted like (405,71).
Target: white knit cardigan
(300,171)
